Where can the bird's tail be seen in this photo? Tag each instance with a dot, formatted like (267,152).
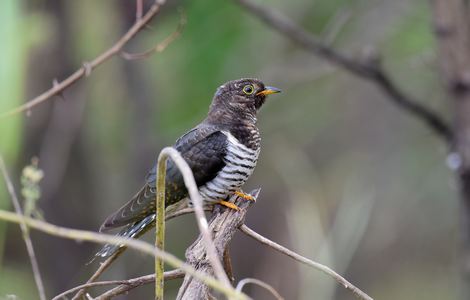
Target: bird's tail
(132,231)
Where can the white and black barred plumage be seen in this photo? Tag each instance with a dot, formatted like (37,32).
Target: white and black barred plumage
(240,161)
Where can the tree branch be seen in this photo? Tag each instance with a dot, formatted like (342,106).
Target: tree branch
(24,230)
(86,69)
(160,47)
(452,31)
(341,280)
(223,226)
(369,68)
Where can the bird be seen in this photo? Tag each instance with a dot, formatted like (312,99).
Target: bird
(222,152)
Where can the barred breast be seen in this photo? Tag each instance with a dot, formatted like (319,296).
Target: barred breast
(240,162)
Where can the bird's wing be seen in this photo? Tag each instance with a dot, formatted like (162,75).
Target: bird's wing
(203,148)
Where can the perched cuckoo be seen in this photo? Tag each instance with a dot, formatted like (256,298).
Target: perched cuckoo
(222,152)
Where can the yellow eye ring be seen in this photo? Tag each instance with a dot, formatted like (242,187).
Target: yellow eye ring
(248,89)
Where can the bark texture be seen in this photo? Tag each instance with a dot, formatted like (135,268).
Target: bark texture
(451,27)
(223,225)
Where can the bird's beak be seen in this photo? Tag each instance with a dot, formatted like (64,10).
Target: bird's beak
(268,90)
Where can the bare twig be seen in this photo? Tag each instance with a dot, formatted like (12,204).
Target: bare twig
(124,285)
(341,280)
(368,68)
(160,47)
(334,27)
(262,284)
(139,9)
(186,211)
(90,236)
(199,210)
(87,67)
(24,230)
(103,266)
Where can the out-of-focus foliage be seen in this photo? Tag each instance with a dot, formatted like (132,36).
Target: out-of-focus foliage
(346,177)
(9,95)
(31,176)
(17,35)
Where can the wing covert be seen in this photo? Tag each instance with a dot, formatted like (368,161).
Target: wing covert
(203,148)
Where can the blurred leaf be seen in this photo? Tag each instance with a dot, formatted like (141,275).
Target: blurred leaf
(17,280)
(12,67)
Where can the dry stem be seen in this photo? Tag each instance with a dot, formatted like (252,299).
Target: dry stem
(25,231)
(87,67)
(124,285)
(341,280)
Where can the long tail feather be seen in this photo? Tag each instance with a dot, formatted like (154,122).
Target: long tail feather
(131,231)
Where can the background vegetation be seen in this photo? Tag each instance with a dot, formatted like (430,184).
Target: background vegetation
(347,178)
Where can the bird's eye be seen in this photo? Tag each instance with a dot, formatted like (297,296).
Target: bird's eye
(248,89)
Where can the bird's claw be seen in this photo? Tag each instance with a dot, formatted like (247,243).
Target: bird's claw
(245,196)
(228,204)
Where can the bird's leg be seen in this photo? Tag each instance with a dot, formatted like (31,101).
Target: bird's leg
(248,197)
(228,204)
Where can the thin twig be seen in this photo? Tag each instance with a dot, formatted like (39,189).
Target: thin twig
(102,238)
(124,288)
(124,285)
(24,230)
(186,211)
(86,69)
(160,47)
(198,208)
(336,24)
(139,9)
(103,266)
(341,280)
(262,284)
(368,68)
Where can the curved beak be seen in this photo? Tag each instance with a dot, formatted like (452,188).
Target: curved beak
(268,90)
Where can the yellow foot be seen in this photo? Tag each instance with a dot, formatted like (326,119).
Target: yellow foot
(228,204)
(245,196)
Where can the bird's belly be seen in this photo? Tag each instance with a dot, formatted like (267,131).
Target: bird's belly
(240,161)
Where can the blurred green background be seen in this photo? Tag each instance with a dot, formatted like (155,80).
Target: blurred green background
(347,179)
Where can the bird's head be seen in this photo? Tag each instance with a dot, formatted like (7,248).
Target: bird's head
(242,97)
